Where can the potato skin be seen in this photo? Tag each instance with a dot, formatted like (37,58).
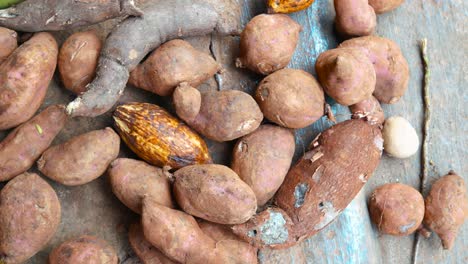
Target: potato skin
(396,209)
(370,109)
(159,138)
(171,64)
(24,145)
(143,249)
(131,180)
(354,17)
(235,113)
(446,208)
(81,159)
(83,250)
(346,75)
(29,216)
(214,193)
(291,98)
(8,42)
(268,43)
(391,67)
(262,159)
(382,6)
(78,60)
(24,79)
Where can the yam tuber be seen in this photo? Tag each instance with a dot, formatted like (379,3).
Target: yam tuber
(355,17)
(369,109)
(83,250)
(8,42)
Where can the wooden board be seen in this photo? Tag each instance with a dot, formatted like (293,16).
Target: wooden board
(93,209)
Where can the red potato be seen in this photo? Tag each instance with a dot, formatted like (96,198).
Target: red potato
(81,159)
(262,160)
(78,59)
(355,17)
(24,79)
(143,249)
(132,180)
(171,64)
(24,145)
(291,98)
(268,43)
(8,42)
(447,208)
(397,209)
(382,6)
(346,75)
(369,109)
(84,250)
(29,216)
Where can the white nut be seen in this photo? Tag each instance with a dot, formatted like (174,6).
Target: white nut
(400,137)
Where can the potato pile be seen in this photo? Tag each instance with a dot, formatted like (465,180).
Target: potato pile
(190,209)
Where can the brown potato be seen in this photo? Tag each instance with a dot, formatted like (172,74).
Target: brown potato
(214,193)
(84,250)
(143,249)
(382,6)
(132,180)
(447,208)
(8,42)
(78,60)
(291,98)
(171,64)
(391,67)
(81,159)
(397,209)
(24,79)
(268,43)
(262,159)
(355,17)
(369,109)
(24,145)
(218,115)
(29,216)
(346,75)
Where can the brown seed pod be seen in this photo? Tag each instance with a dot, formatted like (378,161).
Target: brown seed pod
(369,109)
(397,209)
(158,137)
(288,6)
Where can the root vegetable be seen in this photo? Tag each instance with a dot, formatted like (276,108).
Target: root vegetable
(83,250)
(159,138)
(214,193)
(24,79)
(132,180)
(143,249)
(369,109)
(218,115)
(78,59)
(8,42)
(81,159)
(24,145)
(291,98)
(447,208)
(29,216)
(382,6)
(268,43)
(396,209)
(171,64)
(346,75)
(288,6)
(355,17)
(262,159)
(400,138)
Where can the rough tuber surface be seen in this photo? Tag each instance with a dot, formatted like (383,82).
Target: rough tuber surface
(147,253)
(83,250)
(370,109)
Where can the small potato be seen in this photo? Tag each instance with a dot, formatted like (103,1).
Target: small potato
(143,249)
(268,43)
(81,159)
(78,60)
(369,109)
(355,17)
(382,6)
(8,42)
(171,64)
(84,250)
(262,159)
(400,138)
(291,98)
(346,75)
(132,180)
(218,115)
(29,216)
(397,209)
(447,208)
(214,193)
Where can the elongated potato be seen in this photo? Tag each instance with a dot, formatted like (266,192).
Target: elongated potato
(262,159)
(158,137)
(319,187)
(29,216)
(24,145)
(146,252)
(8,42)
(214,193)
(83,250)
(82,158)
(24,79)
(132,180)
